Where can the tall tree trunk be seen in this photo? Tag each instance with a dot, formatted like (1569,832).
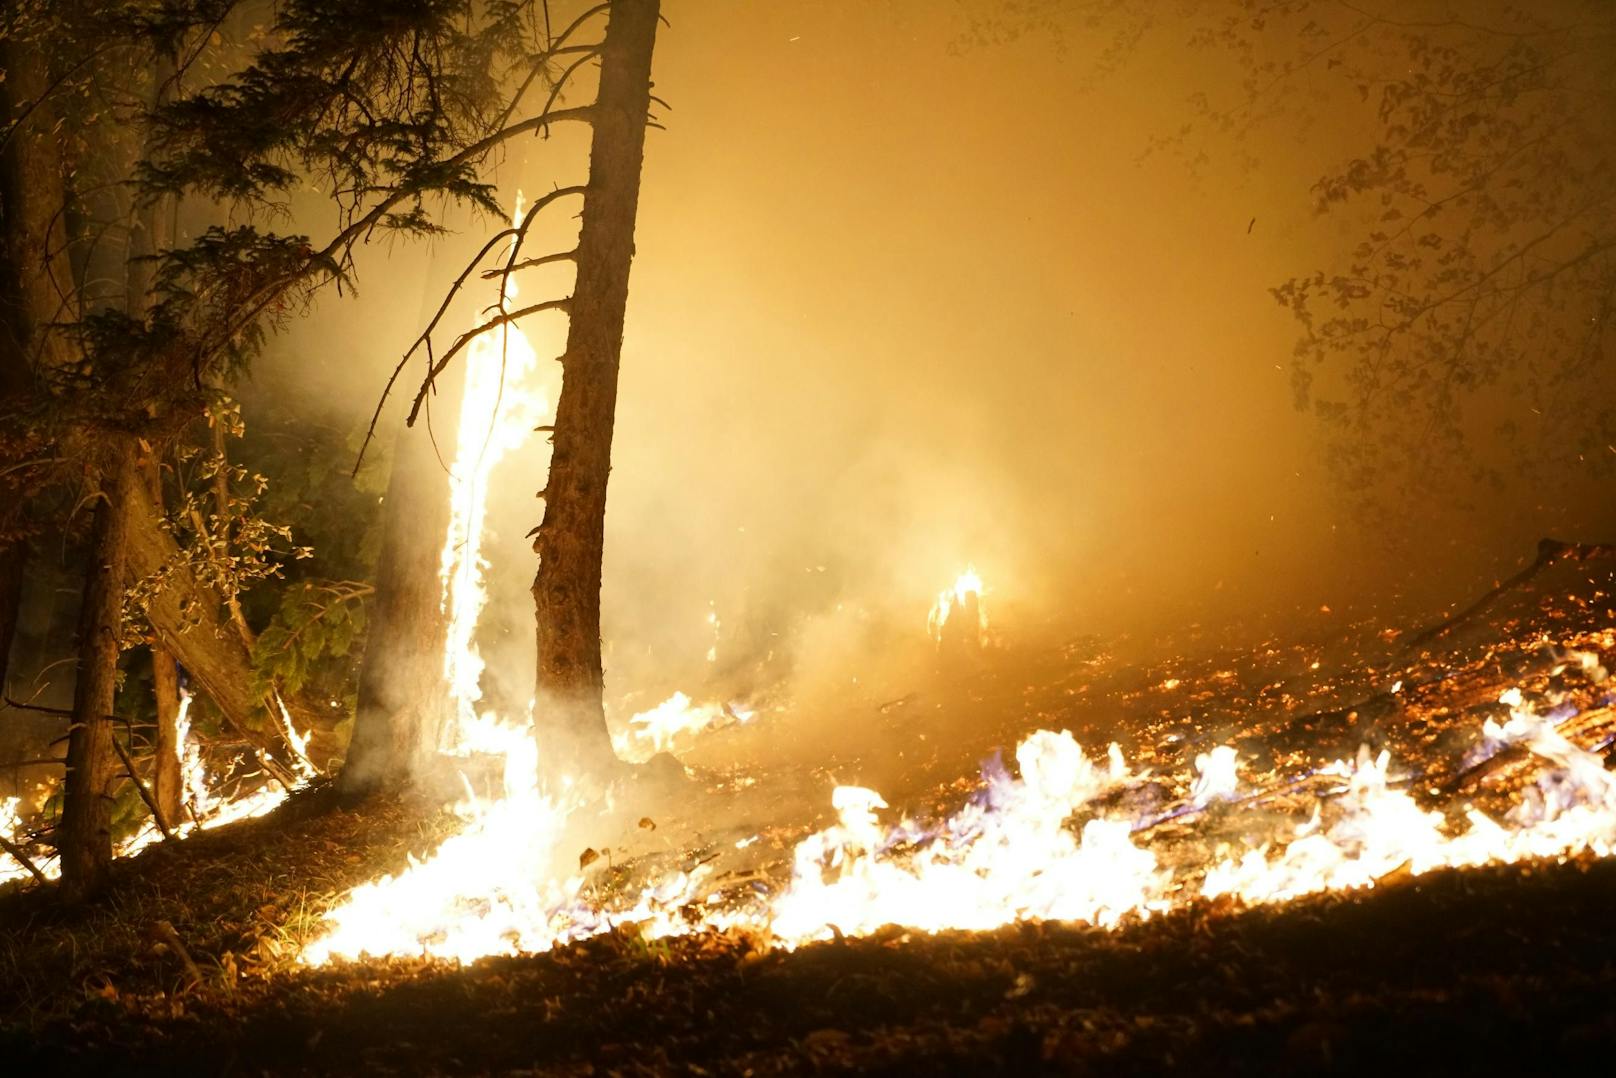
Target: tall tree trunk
(167,783)
(153,234)
(85,838)
(402,697)
(34,278)
(13,561)
(569,712)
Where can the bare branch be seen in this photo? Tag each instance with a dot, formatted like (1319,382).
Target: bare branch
(140,787)
(529,263)
(517,234)
(471,335)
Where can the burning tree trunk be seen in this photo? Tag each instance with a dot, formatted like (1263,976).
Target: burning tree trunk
(167,783)
(401,691)
(566,591)
(85,838)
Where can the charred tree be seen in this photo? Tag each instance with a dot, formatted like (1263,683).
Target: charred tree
(566,591)
(401,692)
(84,838)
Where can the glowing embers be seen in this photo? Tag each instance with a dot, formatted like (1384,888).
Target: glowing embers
(958,619)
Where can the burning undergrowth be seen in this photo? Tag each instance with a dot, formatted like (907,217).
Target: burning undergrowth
(1070,835)
(1098,839)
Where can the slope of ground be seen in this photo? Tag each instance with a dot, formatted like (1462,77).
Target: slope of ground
(192,964)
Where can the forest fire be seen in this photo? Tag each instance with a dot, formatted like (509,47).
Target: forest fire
(1014,852)
(604,538)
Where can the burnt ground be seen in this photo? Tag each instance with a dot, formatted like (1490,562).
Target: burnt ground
(1476,972)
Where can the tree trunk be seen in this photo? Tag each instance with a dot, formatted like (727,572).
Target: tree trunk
(36,279)
(152,235)
(167,783)
(569,713)
(34,275)
(402,697)
(85,838)
(13,560)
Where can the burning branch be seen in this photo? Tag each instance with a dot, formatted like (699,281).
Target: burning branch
(22,858)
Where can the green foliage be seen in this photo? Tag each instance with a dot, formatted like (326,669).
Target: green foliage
(224,545)
(316,621)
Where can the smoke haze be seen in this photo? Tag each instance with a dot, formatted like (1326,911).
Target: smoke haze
(905,299)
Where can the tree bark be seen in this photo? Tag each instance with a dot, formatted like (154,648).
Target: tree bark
(85,836)
(402,697)
(13,560)
(36,279)
(569,713)
(167,783)
(34,276)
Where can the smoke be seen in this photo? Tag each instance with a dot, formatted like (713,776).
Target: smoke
(900,305)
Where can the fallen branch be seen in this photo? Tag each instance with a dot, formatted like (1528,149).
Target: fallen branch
(1549,552)
(1576,725)
(140,786)
(165,932)
(22,858)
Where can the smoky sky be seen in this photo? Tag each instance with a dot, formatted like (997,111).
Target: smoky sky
(905,300)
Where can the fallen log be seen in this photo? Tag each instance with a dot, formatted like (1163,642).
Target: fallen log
(187,620)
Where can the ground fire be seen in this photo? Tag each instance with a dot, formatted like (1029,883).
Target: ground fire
(489,561)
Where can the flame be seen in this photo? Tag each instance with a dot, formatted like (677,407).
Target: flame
(205,810)
(954,598)
(501,405)
(10,824)
(1215,778)
(1056,841)
(656,729)
(1010,853)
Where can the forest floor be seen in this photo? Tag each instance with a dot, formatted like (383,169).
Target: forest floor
(1474,972)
